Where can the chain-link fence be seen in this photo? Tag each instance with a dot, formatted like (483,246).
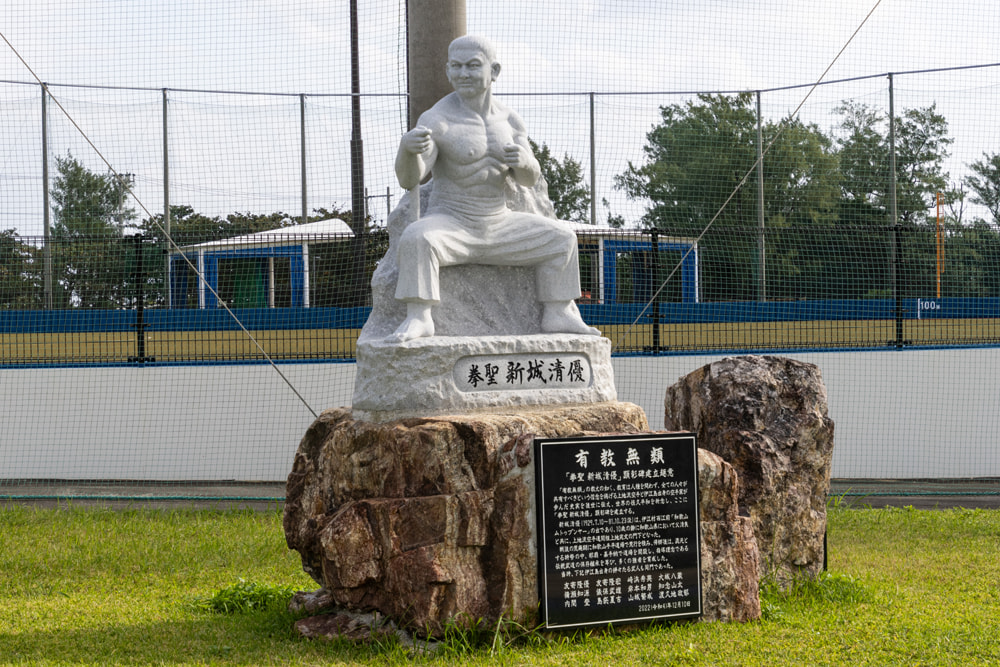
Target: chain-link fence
(862,214)
(864,234)
(132,298)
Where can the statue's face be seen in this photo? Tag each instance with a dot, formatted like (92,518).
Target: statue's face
(469,71)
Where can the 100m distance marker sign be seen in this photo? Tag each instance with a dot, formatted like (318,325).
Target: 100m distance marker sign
(618,531)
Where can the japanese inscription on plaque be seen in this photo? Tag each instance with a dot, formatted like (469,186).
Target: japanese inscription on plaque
(523,371)
(618,532)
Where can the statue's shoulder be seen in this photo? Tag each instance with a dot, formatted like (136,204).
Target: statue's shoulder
(440,116)
(515,121)
(503,112)
(445,108)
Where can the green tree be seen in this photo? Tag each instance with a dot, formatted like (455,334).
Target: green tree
(698,160)
(20,275)
(188,227)
(971,251)
(864,165)
(801,190)
(971,260)
(89,256)
(569,194)
(921,147)
(984,184)
(922,143)
(695,158)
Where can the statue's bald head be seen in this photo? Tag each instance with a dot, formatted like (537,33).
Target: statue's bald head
(480,44)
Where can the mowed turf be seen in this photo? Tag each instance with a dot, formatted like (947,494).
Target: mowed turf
(102,587)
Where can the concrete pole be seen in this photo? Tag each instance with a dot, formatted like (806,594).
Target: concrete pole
(359,220)
(431,26)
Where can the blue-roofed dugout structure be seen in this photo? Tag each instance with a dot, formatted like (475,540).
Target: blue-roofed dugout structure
(605,246)
(256,283)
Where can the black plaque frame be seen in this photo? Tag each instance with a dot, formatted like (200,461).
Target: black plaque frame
(618,530)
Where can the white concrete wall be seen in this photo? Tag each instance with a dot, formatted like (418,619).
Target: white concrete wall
(898,414)
(225,422)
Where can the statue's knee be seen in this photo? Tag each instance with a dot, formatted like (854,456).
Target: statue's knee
(567,237)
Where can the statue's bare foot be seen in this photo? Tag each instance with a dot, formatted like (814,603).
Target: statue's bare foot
(564,317)
(418,324)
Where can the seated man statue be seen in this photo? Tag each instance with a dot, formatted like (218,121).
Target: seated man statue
(471,143)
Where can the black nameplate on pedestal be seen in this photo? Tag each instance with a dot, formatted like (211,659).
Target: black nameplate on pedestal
(618,531)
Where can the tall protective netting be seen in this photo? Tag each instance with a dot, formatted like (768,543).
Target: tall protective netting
(193,197)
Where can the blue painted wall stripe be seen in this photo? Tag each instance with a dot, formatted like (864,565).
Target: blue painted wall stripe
(212,319)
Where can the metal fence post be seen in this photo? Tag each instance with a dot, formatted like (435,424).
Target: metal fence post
(897,262)
(654,271)
(139,278)
(761,249)
(46,215)
(593,164)
(166,201)
(302,151)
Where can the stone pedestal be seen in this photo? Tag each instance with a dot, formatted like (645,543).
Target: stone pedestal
(462,374)
(428,520)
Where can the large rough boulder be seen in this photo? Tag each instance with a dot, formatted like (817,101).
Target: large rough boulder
(767,417)
(427,520)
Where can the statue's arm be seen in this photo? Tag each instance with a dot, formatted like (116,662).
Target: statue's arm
(415,157)
(519,157)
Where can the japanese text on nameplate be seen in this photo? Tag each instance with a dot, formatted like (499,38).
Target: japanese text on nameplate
(523,371)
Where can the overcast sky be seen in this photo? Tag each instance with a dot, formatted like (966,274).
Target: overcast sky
(298,46)
(301,46)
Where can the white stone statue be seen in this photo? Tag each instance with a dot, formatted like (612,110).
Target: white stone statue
(471,144)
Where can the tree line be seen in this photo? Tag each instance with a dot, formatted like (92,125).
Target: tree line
(828,230)
(93,256)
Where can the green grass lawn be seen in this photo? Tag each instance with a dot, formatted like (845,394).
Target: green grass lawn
(101,587)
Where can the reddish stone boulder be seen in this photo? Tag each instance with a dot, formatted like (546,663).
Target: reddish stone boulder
(729,560)
(767,417)
(432,520)
(428,520)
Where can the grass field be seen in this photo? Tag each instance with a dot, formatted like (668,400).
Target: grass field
(102,587)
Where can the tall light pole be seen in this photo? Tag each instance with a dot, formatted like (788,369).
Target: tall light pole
(431,27)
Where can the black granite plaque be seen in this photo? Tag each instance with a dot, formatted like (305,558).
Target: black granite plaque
(618,532)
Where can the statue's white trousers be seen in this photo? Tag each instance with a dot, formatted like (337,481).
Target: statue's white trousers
(509,239)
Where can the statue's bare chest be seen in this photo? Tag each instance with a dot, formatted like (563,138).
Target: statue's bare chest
(475,140)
